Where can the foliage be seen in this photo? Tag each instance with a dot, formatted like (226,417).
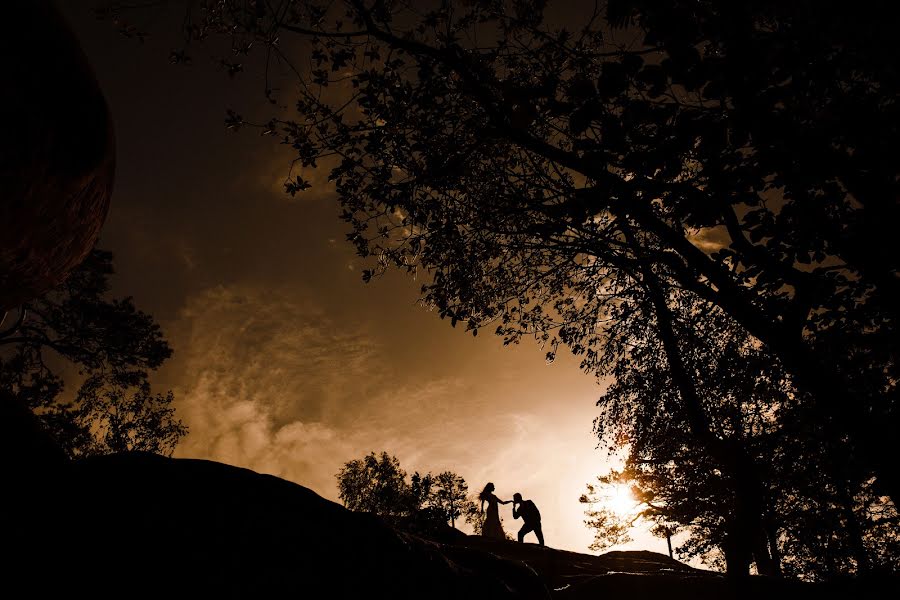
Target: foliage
(450,495)
(694,443)
(126,416)
(818,514)
(610,529)
(113,346)
(377,484)
(474,515)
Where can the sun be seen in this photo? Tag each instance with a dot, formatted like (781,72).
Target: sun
(621,501)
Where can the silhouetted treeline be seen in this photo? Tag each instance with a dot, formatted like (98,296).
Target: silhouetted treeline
(818,517)
(422,503)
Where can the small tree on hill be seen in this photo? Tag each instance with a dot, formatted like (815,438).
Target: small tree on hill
(375,484)
(128,417)
(610,527)
(423,503)
(473,516)
(450,495)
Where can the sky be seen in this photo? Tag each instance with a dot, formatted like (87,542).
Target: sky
(285,362)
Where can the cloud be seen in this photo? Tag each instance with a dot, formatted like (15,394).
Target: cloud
(264,378)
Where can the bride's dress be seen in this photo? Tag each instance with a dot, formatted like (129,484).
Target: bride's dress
(492,527)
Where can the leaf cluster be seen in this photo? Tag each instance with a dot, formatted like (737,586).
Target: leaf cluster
(106,347)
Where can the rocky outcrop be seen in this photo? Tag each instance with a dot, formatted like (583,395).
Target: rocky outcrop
(147,525)
(139,525)
(57,153)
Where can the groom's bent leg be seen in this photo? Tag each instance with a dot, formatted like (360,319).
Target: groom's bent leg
(525,529)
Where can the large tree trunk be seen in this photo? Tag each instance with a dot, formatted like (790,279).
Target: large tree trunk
(746,530)
(774,552)
(750,509)
(854,530)
(737,555)
(814,373)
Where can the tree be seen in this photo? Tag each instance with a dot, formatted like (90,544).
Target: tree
(832,523)
(793,491)
(375,484)
(422,504)
(450,495)
(696,445)
(474,515)
(693,395)
(610,528)
(127,416)
(113,346)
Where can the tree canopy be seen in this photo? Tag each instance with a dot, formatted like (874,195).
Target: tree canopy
(377,484)
(75,334)
(450,495)
(610,528)
(795,490)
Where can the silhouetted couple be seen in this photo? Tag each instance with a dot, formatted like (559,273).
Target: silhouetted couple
(525,509)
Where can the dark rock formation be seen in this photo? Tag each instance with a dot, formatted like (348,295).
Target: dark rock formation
(139,525)
(25,446)
(56,152)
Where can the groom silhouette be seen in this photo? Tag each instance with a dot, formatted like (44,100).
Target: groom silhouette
(530,515)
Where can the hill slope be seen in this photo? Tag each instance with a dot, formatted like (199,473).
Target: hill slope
(136,525)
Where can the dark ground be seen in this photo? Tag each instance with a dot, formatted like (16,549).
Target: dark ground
(138,525)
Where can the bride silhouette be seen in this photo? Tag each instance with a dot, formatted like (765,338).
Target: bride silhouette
(492,527)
